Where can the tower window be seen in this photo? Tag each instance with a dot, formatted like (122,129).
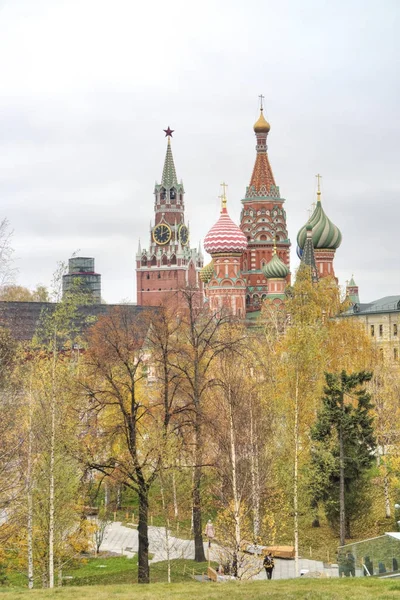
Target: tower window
(395,329)
(372,330)
(380,329)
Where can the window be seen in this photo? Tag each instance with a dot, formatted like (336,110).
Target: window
(372,330)
(380,329)
(395,353)
(395,329)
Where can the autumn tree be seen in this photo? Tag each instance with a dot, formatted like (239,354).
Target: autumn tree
(124,436)
(199,341)
(18,293)
(385,389)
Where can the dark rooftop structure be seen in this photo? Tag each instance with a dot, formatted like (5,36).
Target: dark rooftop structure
(383,305)
(82,277)
(22,318)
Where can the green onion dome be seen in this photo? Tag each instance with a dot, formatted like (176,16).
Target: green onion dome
(276,268)
(207,272)
(325,235)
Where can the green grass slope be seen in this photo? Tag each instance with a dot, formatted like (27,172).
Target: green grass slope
(339,589)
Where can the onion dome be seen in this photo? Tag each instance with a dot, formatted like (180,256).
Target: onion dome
(207,272)
(261,125)
(325,235)
(276,268)
(225,237)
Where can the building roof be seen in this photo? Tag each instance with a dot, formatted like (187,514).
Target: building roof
(308,256)
(23,318)
(262,182)
(382,305)
(276,268)
(325,235)
(225,236)
(169,178)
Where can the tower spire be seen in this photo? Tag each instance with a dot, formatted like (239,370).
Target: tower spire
(168,178)
(262,181)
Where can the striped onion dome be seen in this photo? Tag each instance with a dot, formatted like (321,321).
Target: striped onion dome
(325,235)
(276,268)
(225,236)
(207,272)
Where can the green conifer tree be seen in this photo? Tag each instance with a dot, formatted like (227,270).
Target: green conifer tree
(344,448)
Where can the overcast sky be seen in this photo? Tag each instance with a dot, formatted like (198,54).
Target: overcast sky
(87,87)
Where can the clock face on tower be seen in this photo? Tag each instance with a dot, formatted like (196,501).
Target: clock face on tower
(161,234)
(183,235)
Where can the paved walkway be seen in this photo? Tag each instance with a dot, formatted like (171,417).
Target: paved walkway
(124,540)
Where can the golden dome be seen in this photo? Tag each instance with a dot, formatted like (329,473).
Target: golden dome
(261,125)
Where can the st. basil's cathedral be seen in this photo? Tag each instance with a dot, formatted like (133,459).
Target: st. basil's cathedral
(250,262)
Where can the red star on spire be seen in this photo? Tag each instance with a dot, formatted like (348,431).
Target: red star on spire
(168,132)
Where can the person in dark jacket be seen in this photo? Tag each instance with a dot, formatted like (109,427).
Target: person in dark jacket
(268,565)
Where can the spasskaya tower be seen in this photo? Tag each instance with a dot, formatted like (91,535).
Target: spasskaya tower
(169,265)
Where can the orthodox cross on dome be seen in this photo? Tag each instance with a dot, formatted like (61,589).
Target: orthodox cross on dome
(261,101)
(223,195)
(319,177)
(168,132)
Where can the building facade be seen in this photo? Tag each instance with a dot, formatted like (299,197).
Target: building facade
(263,222)
(226,287)
(381,319)
(168,265)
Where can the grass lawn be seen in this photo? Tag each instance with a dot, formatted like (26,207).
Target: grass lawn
(317,589)
(117,570)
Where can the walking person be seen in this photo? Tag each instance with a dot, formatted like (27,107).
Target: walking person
(210,532)
(269,565)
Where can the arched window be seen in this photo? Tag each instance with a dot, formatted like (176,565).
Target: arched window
(162,194)
(153,261)
(144,261)
(164,260)
(173,260)
(172,194)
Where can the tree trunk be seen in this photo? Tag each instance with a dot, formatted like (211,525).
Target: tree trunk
(51,472)
(388,512)
(199,555)
(175,498)
(342,513)
(255,478)
(143,532)
(296,474)
(236,501)
(30,499)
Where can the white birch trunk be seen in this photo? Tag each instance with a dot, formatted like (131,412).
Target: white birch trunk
(236,500)
(167,548)
(29,493)
(51,472)
(175,498)
(388,512)
(295,482)
(255,477)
